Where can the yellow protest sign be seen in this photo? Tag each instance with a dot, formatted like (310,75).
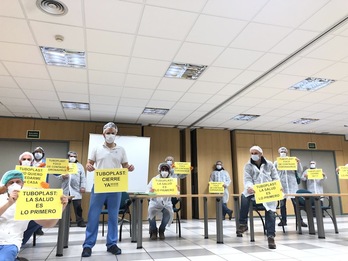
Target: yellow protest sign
(182,168)
(110,180)
(35,204)
(343,173)
(286,163)
(315,174)
(268,192)
(33,176)
(72,168)
(216,187)
(166,186)
(57,166)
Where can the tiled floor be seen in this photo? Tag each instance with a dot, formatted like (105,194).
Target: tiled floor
(193,246)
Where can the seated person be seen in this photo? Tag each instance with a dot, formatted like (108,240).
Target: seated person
(10,245)
(160,205)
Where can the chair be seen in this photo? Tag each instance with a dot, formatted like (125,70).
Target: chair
(124,210)
(258,208)
(326,206)
(176,209)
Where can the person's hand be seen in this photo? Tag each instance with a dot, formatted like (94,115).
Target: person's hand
(64,200)
(131,167)
(82,190)
(13,197)
(3,189)
(298,160)
(66,176)
(250,191)
(337,169)
(224,185)
(90,167)
(178,187)
(152,190)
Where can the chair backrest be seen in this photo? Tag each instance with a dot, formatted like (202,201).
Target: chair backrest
(301,200)
(175,201)
(125,202)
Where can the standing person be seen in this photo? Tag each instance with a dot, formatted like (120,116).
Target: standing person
(108,155)
(39,157)
(12,230)
(170,161)
(314,185)
(75,185)
(160,205)
(257,171)
(221,175)
(289,183)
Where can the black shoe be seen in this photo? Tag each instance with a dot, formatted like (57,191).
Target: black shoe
(271,243)
(81,224)
(241,229)
(39,232)
(114,250)
(230,214)
(87,252)
(21,259)
(303,224)
(282,223)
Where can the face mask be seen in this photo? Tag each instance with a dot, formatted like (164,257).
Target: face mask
(110,138)
(13,187)
(312,166)
(283,154)
(26,163)
(255,157)
(164,174)
(169,162)
(38,155)
(72,159)
(218,166)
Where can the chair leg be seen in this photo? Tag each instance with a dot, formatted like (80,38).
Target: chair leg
(130,225)
(281,221)
(103,225)
(263,222)
(178,222)
(34,239)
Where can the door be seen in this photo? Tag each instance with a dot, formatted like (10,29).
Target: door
(324,160)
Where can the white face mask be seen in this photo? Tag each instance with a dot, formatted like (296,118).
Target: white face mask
(13,187)
(72,159)
(312,166)
(218,166)
(169,162)
(255,157)
(110,138)
(38,155)
(283,154)
(26,163)
(164,174)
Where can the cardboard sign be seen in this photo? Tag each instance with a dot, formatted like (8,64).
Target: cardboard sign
(33,204)
(182,168)
(268,192)
(57,166)
(166,186)
(343,172)
(216,187)
(286,163)
(33,176)
(315,174)
(110,180)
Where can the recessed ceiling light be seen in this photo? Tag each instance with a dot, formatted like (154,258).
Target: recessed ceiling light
(185,71)
(311,84)
(245,117)
(52,7)
(155,111)
(304,121)
(75,105)
(62,57)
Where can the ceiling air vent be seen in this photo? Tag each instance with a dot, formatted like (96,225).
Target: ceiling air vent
(52,7)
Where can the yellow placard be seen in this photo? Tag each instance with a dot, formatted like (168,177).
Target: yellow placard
(315,174)
(268,192)
(286,163)
(33,204)
(72,168)
(182,168)
(57,166)
(167,186)
(216,187)
(33,176)
(110,180)
(343,173)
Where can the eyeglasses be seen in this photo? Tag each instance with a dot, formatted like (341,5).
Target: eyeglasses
(26,159)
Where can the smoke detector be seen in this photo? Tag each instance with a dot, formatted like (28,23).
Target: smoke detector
(52,7)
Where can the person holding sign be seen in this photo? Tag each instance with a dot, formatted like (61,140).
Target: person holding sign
(170,161)
(314,178)
(108,155)
(221,175)
(39,157)
(289,168)
(11,229)
(74,184)
(258,171)
(160,205)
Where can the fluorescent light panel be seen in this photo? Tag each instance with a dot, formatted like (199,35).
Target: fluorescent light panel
(185,71)
(62,57)
(245,117)
(75,105)
(155,111)
(311,84)
(304,121)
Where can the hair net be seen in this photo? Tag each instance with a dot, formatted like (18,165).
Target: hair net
(163,164)
(256,148)
(12,174)
(73,153)
(109,125)
(39,148)
(282,149)
(26,153)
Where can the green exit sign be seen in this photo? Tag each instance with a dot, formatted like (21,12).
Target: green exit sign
(312,145)
(33,134)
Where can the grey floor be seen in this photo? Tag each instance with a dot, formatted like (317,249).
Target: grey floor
(193,246)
